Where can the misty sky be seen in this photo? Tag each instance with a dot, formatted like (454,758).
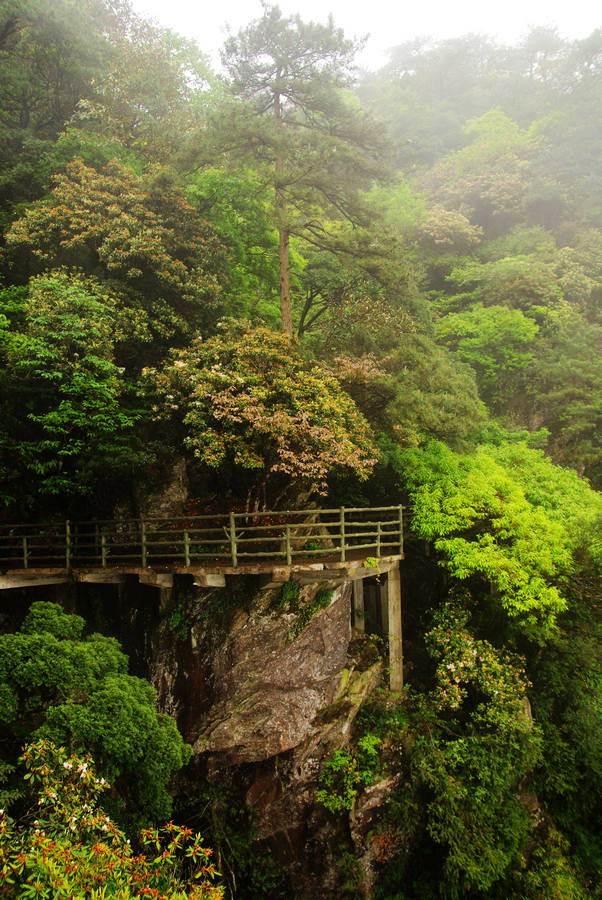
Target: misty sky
(389,22)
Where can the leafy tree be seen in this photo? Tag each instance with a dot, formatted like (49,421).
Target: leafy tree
(484,526)
(365,290)
(447,231)
(74,424)
(248,400)
(236,205)
(563,392)
(524,282)
(50,52)
(66,846)
(136,232)
(470,757)
(435,396)
(149,98)
(566,702)
(497,342)
(464,819)
(75,691)
(487,179)
(121,85)
(309,139)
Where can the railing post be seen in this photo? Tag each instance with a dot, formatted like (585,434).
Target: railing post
(103,549)
(342,531)
(143,541)
(289,555)
(233,540)
(67,545)
(378,539)
(401,530)
(186,549)
(25,553)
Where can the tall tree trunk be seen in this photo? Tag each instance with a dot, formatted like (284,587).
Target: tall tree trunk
(284,259)
(285,281)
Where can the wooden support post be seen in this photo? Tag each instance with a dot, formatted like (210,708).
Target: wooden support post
(103,549)
(358,605)
(289,555)
(143,541)
(165,599)
(233,540)
(186,549)
(25,553)
(395,641)
(67,545)
(378,539)
(342,532)
(383,603)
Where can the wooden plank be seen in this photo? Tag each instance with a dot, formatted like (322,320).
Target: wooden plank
(8,582)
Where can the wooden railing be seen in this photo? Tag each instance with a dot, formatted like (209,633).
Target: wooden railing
(232,539)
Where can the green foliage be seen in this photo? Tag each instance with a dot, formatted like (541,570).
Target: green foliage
(496,341)
(246,872)
(489,176)
(235,204)
(44,617)
(564,390)
(524,282)
(473,743)
(289,593)
(340,780)
(75,690)
(49,54)
(139,234)
(294,121)
(179,620)
(359,291)
(435,396)
(346,772)
(567,695)
(65,846)
(62,372)
(483,524)
(494,224)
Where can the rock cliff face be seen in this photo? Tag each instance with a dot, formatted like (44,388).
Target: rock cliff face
(265,693)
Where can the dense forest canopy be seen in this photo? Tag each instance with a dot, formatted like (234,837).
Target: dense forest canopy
(305,282)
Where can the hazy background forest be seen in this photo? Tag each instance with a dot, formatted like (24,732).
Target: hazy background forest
(308,283)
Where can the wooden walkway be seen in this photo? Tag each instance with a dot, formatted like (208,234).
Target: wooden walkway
(345,544)
(233,542)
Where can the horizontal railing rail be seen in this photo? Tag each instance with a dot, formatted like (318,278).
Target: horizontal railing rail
(229,539)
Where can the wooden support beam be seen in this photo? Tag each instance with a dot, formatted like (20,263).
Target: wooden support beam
(358,605)
(156,579)
(210,580)
(383,601)
(395,637)
(100,577)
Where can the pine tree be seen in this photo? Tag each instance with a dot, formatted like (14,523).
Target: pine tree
(317,149)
